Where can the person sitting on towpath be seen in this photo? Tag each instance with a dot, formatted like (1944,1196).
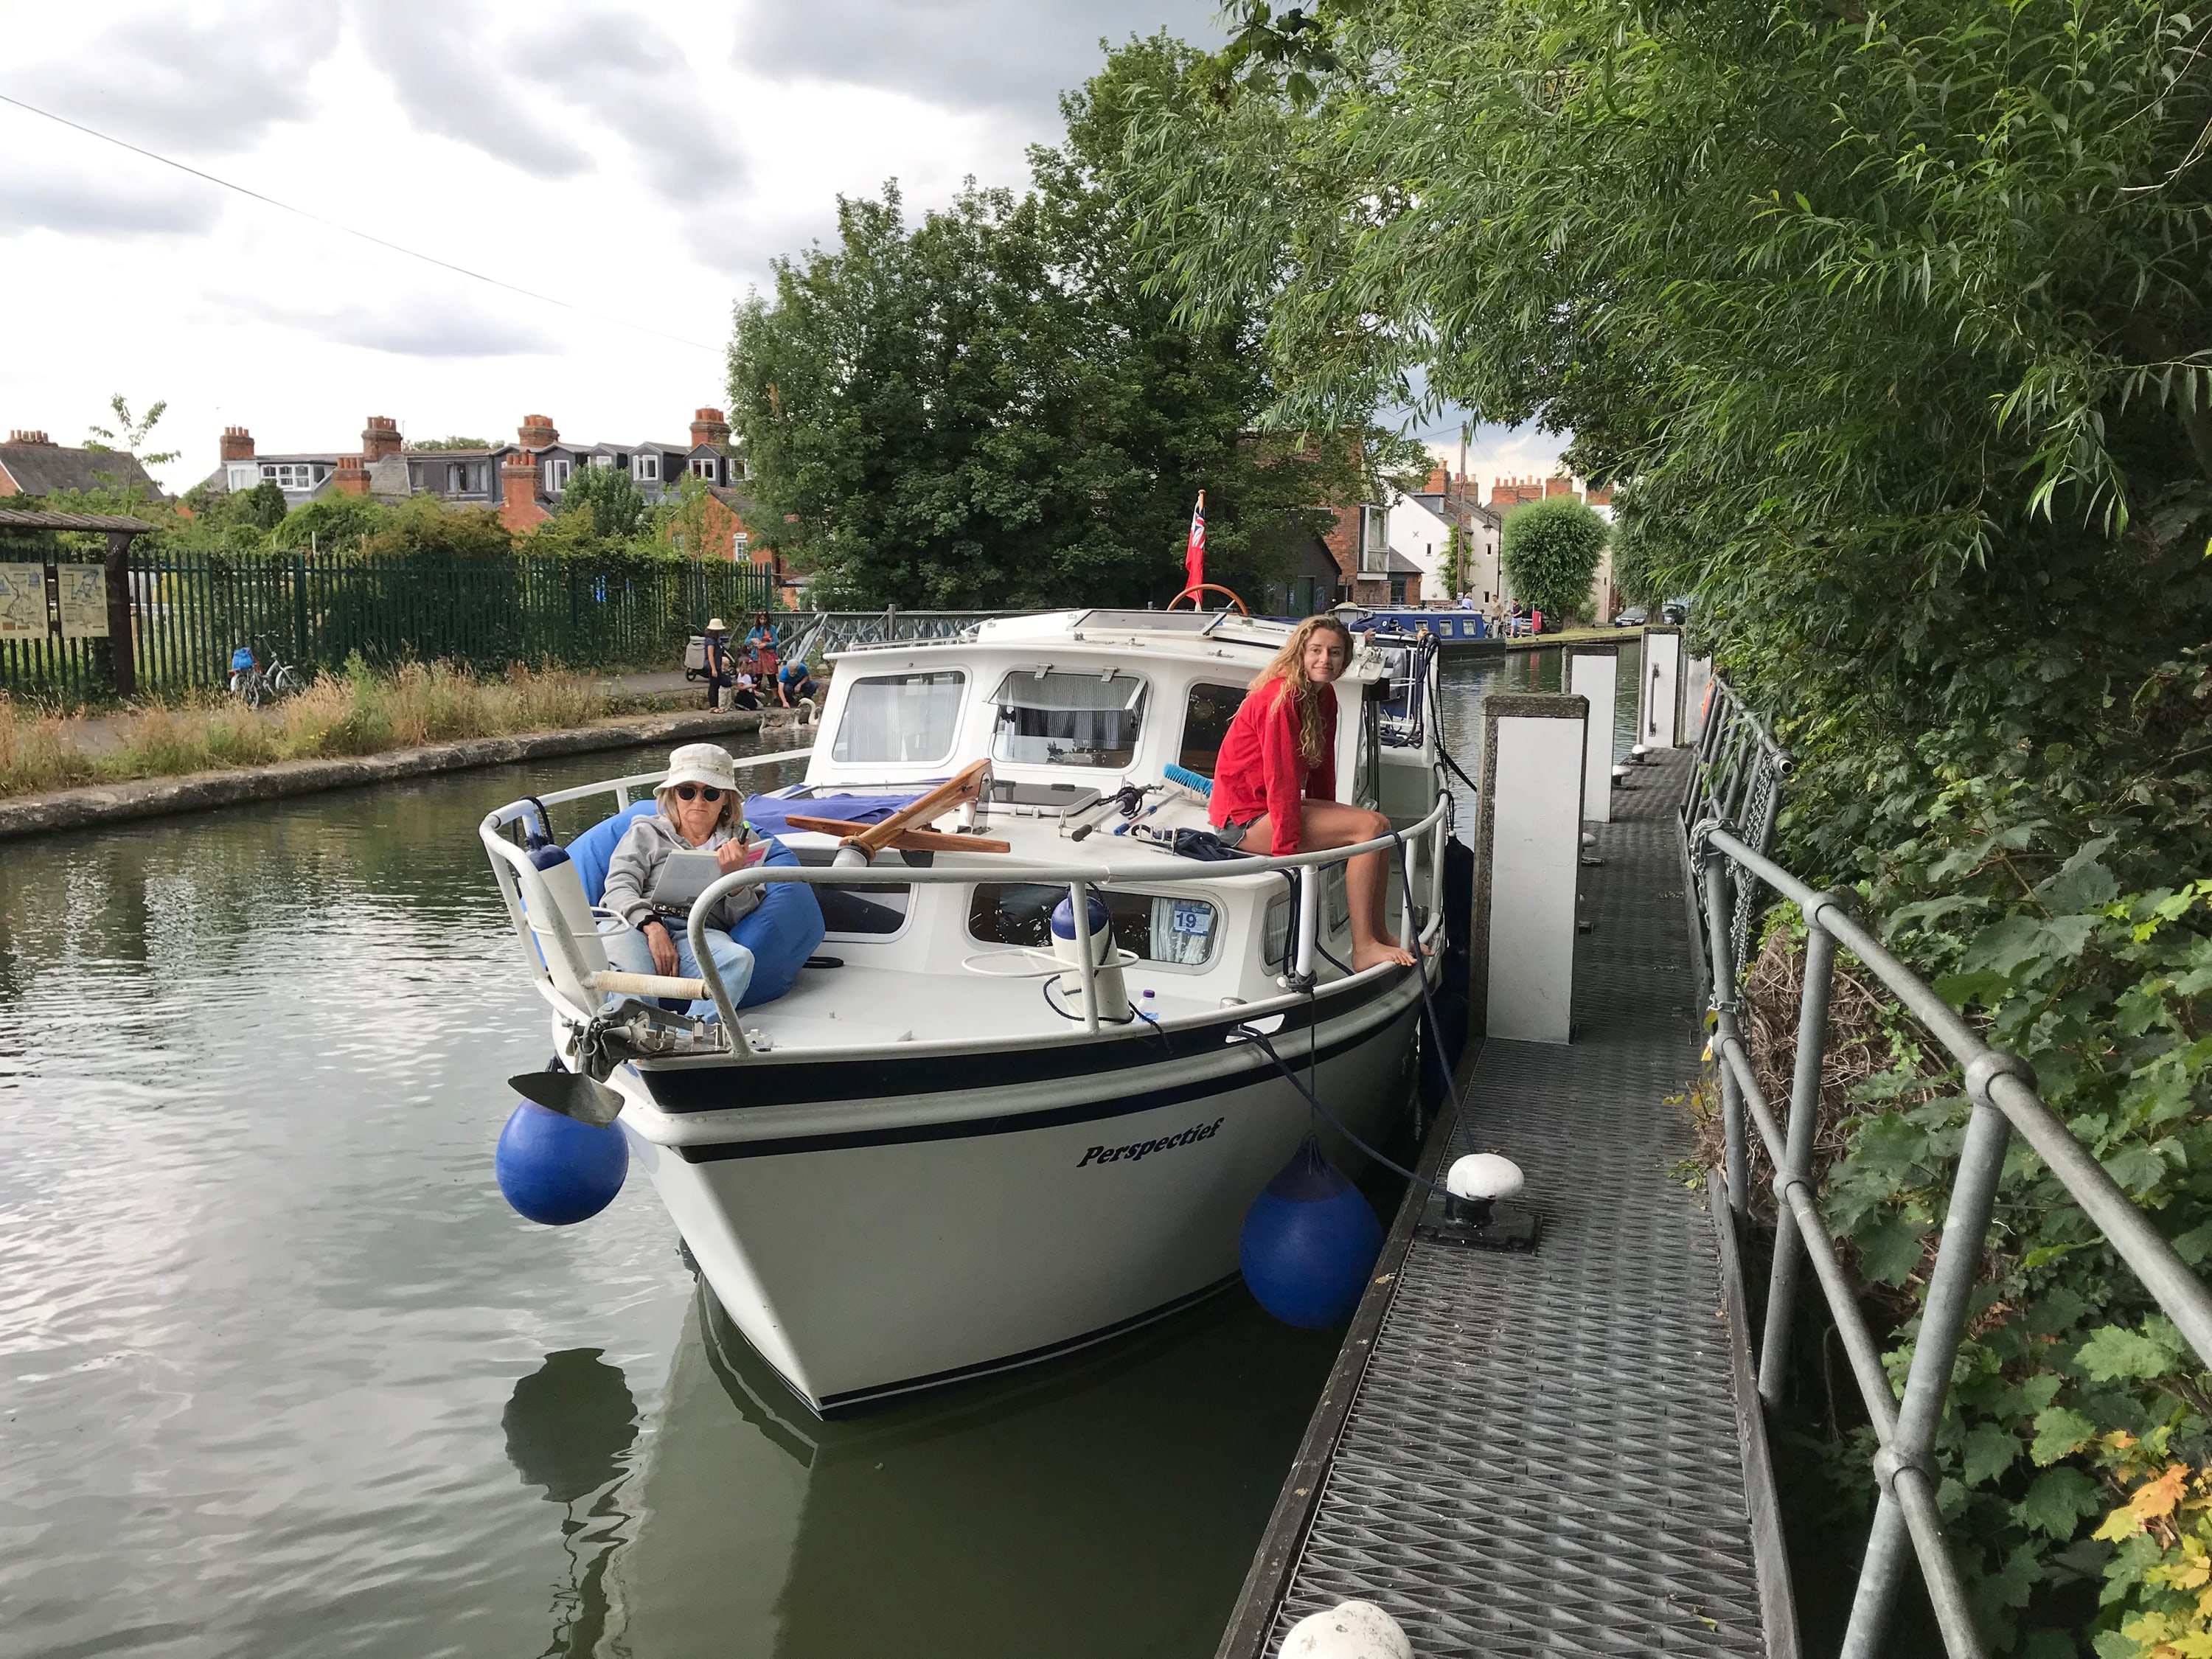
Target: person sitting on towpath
(700,809)
(1276,778)
(794,682)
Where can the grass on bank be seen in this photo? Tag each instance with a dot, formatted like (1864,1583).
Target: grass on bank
(355,712)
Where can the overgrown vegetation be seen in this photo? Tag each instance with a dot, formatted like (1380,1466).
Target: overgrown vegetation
(1892,324)
(355,712)
(987,409)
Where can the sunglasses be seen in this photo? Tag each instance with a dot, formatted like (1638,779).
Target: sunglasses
(706,791)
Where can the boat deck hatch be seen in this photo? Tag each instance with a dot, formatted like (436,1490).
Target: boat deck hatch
(1062,797)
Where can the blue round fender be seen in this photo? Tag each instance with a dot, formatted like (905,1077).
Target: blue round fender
(555,1170)
(1309,1242)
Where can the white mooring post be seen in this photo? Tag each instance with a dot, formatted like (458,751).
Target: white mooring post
(1697,682)
(1528,853)
(1659,726)
(1594,674)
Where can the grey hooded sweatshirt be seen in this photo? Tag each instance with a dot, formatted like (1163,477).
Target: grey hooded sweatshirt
(635,866)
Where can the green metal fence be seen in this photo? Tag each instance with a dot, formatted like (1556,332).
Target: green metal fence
(190,610)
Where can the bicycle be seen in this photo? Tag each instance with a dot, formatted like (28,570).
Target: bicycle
(256,686)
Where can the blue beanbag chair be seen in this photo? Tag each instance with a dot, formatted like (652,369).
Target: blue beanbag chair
(782,932)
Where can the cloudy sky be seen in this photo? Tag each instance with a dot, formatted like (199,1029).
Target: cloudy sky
(638,166)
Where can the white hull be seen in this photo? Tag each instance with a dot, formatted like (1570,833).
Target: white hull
(956,1238)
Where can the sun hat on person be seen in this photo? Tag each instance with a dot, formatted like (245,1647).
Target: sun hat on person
(702,762)
(718,626)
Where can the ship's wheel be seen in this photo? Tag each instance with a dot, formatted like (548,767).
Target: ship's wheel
(1197,588)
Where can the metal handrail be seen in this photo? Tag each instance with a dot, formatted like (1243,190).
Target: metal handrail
(1080,878)
(2002,1089)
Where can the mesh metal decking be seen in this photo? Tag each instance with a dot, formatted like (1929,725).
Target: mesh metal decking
(1542,1454)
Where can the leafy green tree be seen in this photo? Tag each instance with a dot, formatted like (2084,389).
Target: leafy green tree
(424,524)
(263,505)
(330,524)
(1551,549)
(130,434)
(1895,323)
(607,499)
(987,408)
(426,444)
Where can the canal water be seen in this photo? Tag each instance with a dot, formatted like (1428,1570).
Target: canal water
(280,1373)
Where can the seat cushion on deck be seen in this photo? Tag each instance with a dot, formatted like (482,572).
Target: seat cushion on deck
(782,932)
(593,850)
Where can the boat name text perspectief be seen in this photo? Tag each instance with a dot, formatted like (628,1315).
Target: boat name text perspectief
(1113,1154)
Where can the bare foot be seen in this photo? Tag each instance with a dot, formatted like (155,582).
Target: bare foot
(1371,954)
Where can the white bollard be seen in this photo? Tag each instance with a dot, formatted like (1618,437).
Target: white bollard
(1596,675)
(1350,1630)
(1659,724)
(1527,854)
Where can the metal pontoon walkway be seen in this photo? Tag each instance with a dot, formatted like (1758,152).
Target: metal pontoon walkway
(1542,1454)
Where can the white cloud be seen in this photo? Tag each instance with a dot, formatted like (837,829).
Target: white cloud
(212,84)
(449,76)
(423,325)
(993,54)
(84,204)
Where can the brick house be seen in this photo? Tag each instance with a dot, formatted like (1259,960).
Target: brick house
(523,481)
(32,464)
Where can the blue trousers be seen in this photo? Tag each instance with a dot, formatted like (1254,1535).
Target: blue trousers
(629,952)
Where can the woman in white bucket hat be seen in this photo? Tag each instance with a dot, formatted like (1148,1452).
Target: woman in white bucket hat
(701,810)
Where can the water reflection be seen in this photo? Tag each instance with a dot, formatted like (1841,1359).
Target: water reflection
(569,1426)
(1106,1505)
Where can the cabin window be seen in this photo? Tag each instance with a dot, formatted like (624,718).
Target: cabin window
(857,913)
(1173,929)
(1206,713)
(1067,717)
(901,718)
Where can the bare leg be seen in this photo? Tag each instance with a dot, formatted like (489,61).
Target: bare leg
(1332,824)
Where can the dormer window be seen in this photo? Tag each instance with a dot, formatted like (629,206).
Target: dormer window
(291,475)
(648,468)
(556,476)
(707,467)
(244,477)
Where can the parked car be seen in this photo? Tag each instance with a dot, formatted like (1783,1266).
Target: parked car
(1676,611)
(1635,617)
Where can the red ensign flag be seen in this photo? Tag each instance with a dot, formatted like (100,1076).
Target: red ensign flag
(1193,556)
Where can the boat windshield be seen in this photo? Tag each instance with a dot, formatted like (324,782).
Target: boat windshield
(1066,717)
(901,717)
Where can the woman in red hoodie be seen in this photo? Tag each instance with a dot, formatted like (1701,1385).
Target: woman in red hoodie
(1275,780)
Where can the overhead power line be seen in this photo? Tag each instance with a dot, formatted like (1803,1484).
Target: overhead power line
(349,230)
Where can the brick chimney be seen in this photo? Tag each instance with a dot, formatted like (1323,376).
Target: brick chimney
(708,426)
(1438,482)
(380,437)
(1558,484)
(518,487)
(236,444)
(21,436)
(350,475)
(537,432)
(1600,495)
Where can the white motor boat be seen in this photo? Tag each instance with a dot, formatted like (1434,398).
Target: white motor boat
(945,1150)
